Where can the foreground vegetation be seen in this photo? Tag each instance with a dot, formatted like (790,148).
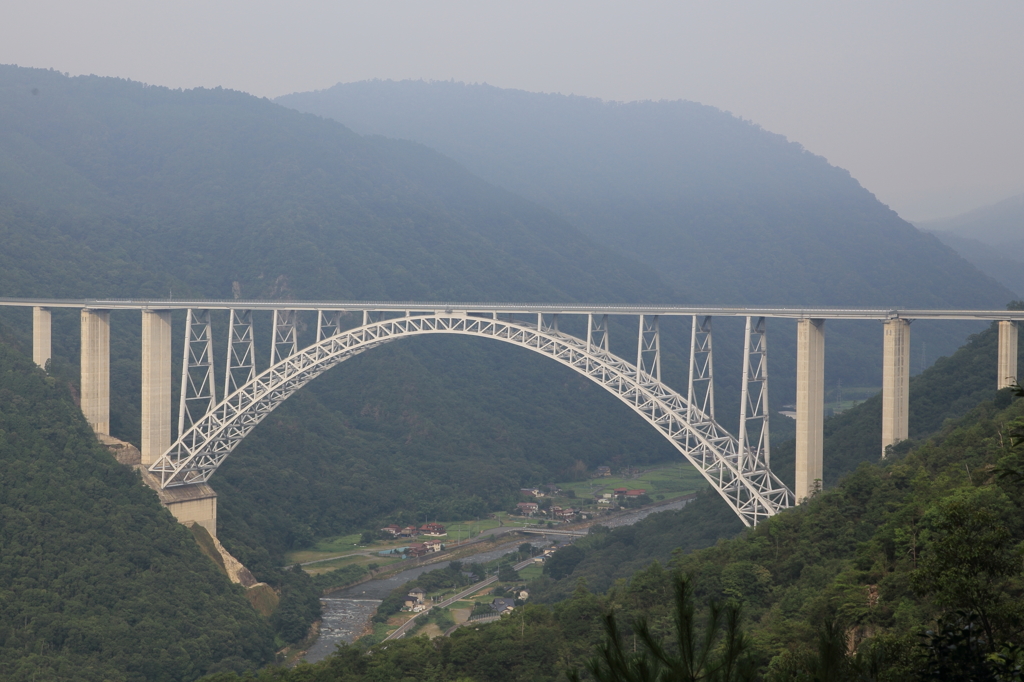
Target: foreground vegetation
(927,541)
(97,580)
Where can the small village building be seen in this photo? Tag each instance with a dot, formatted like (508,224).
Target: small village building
(410,532)
(418,549)
(635,493)
(414,598)
(620,492)
(392,529)
(604,471)
(434,530)
(503,605)
(527,508)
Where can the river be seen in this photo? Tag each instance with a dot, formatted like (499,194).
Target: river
(346,613)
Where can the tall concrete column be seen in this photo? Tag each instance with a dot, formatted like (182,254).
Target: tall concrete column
(810,405)
(895,383)
(156,384)
(1007,365)
(96,369)
(41,336)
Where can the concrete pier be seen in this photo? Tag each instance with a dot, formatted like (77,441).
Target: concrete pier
(41,336)
(1007,365)
(810,406)
(895,383)
(156,384)
(96,369)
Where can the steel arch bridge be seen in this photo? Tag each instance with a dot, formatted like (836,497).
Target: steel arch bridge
(740,473)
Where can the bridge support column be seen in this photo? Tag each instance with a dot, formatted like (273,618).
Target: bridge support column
(810,406)
(41,336)
(895,383)
(96,369)
(1007,374)
(156,384)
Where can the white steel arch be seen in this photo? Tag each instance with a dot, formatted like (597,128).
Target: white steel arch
(753,493)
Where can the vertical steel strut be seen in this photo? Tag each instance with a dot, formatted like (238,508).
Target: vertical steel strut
(198,385)
(285,342)
(648,350)
(328,324)
(597,333)
(241,365)
(754,398)
(700,396)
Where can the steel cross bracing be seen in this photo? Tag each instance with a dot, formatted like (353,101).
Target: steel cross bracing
(648,350)
(198,385)
(700,395)
(754,493)
(241,364)
(753,438)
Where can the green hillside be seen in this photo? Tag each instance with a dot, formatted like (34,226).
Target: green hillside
(842,588)
(97,580)
(722,210)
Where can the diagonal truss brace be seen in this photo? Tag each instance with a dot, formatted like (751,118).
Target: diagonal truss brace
(328,323)
(198,385)
(754,443)
(700,395)
(286,338)
(648,350)
(241,363)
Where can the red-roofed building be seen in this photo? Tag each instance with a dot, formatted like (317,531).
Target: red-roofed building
(636,493)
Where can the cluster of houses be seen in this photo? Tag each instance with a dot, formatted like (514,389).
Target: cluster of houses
(430,530)
(543,491)
(416,549)
(532,508)
(620,494)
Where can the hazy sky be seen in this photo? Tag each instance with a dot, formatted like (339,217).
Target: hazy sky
(922,101)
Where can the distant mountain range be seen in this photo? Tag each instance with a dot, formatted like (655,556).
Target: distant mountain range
(990,237)
(724,211)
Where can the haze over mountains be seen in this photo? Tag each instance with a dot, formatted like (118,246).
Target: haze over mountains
(990,237)
(725,211)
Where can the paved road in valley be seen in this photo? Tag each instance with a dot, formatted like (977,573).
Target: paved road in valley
(400,632)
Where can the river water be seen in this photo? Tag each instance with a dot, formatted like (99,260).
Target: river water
(346,613)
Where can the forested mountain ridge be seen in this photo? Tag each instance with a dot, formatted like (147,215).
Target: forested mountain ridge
(97,580)
(113,188)
(725,211)
(705,197)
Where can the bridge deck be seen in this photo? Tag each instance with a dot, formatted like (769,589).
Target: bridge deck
(524,308)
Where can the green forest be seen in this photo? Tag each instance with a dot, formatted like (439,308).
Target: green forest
(97,580)
(909,569)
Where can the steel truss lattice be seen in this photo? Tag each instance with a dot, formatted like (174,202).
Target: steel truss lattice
(753,493)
